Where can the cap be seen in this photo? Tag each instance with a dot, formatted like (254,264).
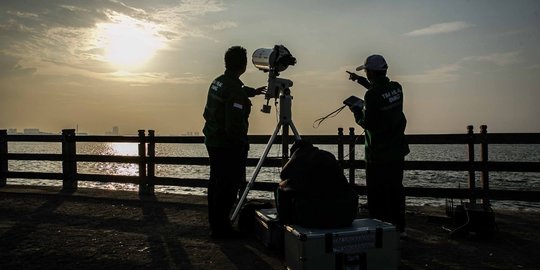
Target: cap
(374,62)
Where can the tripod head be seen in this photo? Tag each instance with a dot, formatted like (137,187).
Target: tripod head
(276,87)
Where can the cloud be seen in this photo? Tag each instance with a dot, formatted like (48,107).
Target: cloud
(440,28)
(197,7)
(146,78)
(443,74)
(48,37)
(22,14)
(224,25)
(450,72)
(9,66)
(499,59)
(174,19)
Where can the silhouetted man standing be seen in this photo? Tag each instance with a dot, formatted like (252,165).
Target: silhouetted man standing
(385,146)
(226,113)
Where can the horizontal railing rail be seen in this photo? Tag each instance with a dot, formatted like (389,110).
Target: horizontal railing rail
(147,161)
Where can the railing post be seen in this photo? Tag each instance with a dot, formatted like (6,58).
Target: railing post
(472,179)
(69,161)
(3,158)
(143,190)
(151,162)
(340,146)
(352,142)
(485,170)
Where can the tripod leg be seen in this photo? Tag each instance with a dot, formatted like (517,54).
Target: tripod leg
(285,142)
(295,132)
(256,172)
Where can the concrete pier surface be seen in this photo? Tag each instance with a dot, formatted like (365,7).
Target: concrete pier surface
(42,228)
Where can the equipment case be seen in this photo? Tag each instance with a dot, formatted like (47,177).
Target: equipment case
(367,244)
(268,229)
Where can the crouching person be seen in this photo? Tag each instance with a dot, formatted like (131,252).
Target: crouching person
(314,192)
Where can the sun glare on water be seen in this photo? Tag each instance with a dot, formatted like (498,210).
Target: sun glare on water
(124,149)
(129,43)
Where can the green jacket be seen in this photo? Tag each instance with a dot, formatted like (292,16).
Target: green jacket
(384,122)
(227,112)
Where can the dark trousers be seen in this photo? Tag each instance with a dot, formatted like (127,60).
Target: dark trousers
(385,192)
(227,175)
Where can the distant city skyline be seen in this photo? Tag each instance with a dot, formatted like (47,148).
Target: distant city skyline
(27,131)
(114,131)
(148,64)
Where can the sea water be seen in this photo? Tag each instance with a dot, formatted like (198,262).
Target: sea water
(434,179)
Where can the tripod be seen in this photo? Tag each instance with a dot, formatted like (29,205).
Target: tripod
(285,121)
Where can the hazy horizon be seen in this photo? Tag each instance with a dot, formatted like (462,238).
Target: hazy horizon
(148,64)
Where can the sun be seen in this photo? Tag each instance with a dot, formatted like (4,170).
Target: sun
(129,43)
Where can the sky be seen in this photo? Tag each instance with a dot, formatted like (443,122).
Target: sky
(148,64)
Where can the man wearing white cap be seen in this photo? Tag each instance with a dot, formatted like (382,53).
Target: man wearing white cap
(385,146)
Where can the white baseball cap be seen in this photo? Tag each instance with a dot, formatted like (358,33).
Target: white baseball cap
(374,62)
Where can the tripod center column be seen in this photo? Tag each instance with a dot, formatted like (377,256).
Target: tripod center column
(285,105)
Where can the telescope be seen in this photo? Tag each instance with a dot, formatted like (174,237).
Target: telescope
(274,61)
